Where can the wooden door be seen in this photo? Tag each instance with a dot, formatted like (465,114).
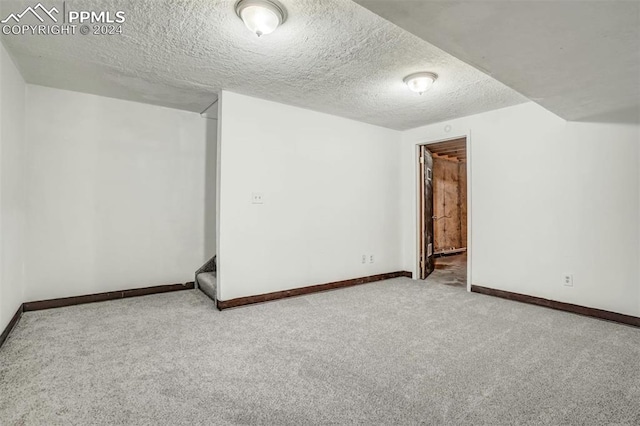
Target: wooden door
(427,264)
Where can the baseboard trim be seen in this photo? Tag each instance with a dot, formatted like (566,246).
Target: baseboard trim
(11,325)
(102,297)
(267,297)
(561,306)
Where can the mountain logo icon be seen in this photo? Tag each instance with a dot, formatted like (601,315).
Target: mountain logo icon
(38,11)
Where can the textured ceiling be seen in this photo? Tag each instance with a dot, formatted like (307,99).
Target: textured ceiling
(332,56)
(579,59)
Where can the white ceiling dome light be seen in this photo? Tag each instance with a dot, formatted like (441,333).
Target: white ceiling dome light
(261,16)
(420,82)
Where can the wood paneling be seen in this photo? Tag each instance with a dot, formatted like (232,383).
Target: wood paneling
(446,204)
(451,150)
(450,194)
(260,298)
(462,181)
(576,309)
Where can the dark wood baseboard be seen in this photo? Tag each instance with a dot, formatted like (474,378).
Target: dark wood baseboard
(102,297)
(250,300)
(568,307)
(11,325)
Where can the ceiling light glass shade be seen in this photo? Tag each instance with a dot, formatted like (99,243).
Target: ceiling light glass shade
(420,82)
(261,16)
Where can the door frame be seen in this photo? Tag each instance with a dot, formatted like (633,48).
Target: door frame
(426,262)
(418,198)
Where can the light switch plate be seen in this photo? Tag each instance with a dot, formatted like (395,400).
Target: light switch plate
(567,280)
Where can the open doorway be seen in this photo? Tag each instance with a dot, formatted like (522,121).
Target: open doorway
(443,197)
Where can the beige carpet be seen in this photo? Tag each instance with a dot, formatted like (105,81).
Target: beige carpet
(395,352)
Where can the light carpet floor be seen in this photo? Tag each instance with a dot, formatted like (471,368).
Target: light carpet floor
(397,352)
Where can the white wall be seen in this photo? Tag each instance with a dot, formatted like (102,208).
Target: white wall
(115,198)
(115,194)
(548,197)
(210,188)
(330,189)
(12,189)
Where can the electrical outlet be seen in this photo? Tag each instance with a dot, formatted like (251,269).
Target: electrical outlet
(257,198)
(364,258)
(567,280)
(371,259)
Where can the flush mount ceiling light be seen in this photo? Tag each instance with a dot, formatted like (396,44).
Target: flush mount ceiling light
(261,16)
(420,82)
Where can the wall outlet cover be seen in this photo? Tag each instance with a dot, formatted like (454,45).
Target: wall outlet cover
(257,198)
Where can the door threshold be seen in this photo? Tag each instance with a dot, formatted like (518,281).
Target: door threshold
(443,253)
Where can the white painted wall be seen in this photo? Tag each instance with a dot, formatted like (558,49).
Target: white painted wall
(115,198)
(12,199)
(548,197)
(115,194)
(210,188)
(330,189)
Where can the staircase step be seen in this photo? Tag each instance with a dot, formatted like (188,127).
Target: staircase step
(207,283)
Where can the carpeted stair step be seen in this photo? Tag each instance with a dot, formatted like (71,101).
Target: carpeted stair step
(207,283)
